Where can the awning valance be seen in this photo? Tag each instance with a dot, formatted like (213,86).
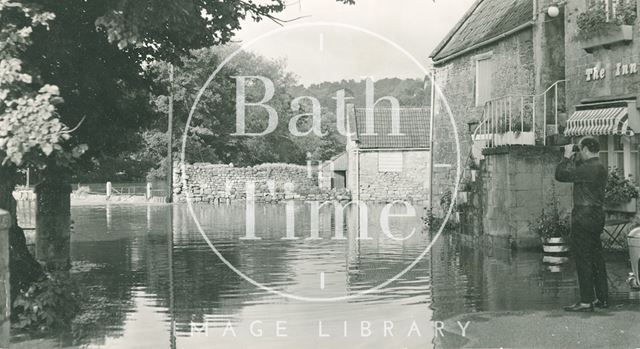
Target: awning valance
(598,122)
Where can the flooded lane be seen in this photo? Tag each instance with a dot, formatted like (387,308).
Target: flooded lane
(155,283)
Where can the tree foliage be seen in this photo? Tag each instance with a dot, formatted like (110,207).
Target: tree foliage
(30,129)
(210,137)
(211,132)
(96,51)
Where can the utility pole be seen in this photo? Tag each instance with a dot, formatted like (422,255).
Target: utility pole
(169,139)
(431,134)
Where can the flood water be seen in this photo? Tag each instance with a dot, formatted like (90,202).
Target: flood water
(156,283)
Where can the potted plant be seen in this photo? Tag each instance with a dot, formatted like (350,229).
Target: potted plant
(621,193)
(553,231)
(596,28)
(552,227)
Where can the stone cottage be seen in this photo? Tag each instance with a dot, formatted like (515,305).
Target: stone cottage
(388,157)
(501,70)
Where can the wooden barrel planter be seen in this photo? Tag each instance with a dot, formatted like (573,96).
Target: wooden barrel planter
(556,252)
(555,245)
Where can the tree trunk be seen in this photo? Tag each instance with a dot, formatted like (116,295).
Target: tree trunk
(53,218)
(24,269)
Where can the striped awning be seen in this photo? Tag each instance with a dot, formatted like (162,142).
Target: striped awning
(598,122)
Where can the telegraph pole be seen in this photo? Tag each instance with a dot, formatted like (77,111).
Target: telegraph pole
(431,134)
(170,139)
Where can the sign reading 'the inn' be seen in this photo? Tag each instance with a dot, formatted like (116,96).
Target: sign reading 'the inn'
(599,73)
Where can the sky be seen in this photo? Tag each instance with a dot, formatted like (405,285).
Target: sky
(325,52)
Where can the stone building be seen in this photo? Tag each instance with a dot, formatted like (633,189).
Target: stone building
(517,76)
(604,83)
(388,157)
(501,70)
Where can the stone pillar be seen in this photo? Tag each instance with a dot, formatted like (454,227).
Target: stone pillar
(53,218)
(5,298)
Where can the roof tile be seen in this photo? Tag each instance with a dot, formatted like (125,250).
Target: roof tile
(486,20)
(414,129)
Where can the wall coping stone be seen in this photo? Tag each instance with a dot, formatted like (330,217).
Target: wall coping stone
(521,150)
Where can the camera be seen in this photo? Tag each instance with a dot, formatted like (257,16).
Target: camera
(563,141)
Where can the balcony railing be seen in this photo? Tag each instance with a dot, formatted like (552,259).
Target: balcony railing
(524,120)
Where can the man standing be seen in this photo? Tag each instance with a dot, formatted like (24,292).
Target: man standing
(589,178)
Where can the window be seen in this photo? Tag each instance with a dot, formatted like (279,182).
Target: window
(618,153)
(484,83)
(621,152)
(604,150)
(390,162)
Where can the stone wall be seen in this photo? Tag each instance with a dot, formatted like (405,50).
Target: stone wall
(513,74)
(5,223)
(517,184)
(210,183)
(412,184)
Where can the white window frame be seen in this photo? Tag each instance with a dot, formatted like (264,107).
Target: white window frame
(627,153)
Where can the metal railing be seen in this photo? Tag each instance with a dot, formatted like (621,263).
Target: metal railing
(557,90)
(108,189)
(509,114)
(129,190)
(512,119)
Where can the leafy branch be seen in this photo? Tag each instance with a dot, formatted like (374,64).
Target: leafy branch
(30,130)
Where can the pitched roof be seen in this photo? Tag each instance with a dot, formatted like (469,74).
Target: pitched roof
(337,163)
(485,20)
(414,128)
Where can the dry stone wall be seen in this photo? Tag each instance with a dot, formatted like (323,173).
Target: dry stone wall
(211,183)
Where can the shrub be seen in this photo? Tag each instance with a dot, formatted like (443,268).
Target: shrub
(431,220)
(619,190)
(47,305)
(594,21)
(626,12)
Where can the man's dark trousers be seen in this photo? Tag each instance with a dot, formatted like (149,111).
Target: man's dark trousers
(587,223)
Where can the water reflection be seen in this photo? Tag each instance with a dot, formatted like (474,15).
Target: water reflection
(152,277)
